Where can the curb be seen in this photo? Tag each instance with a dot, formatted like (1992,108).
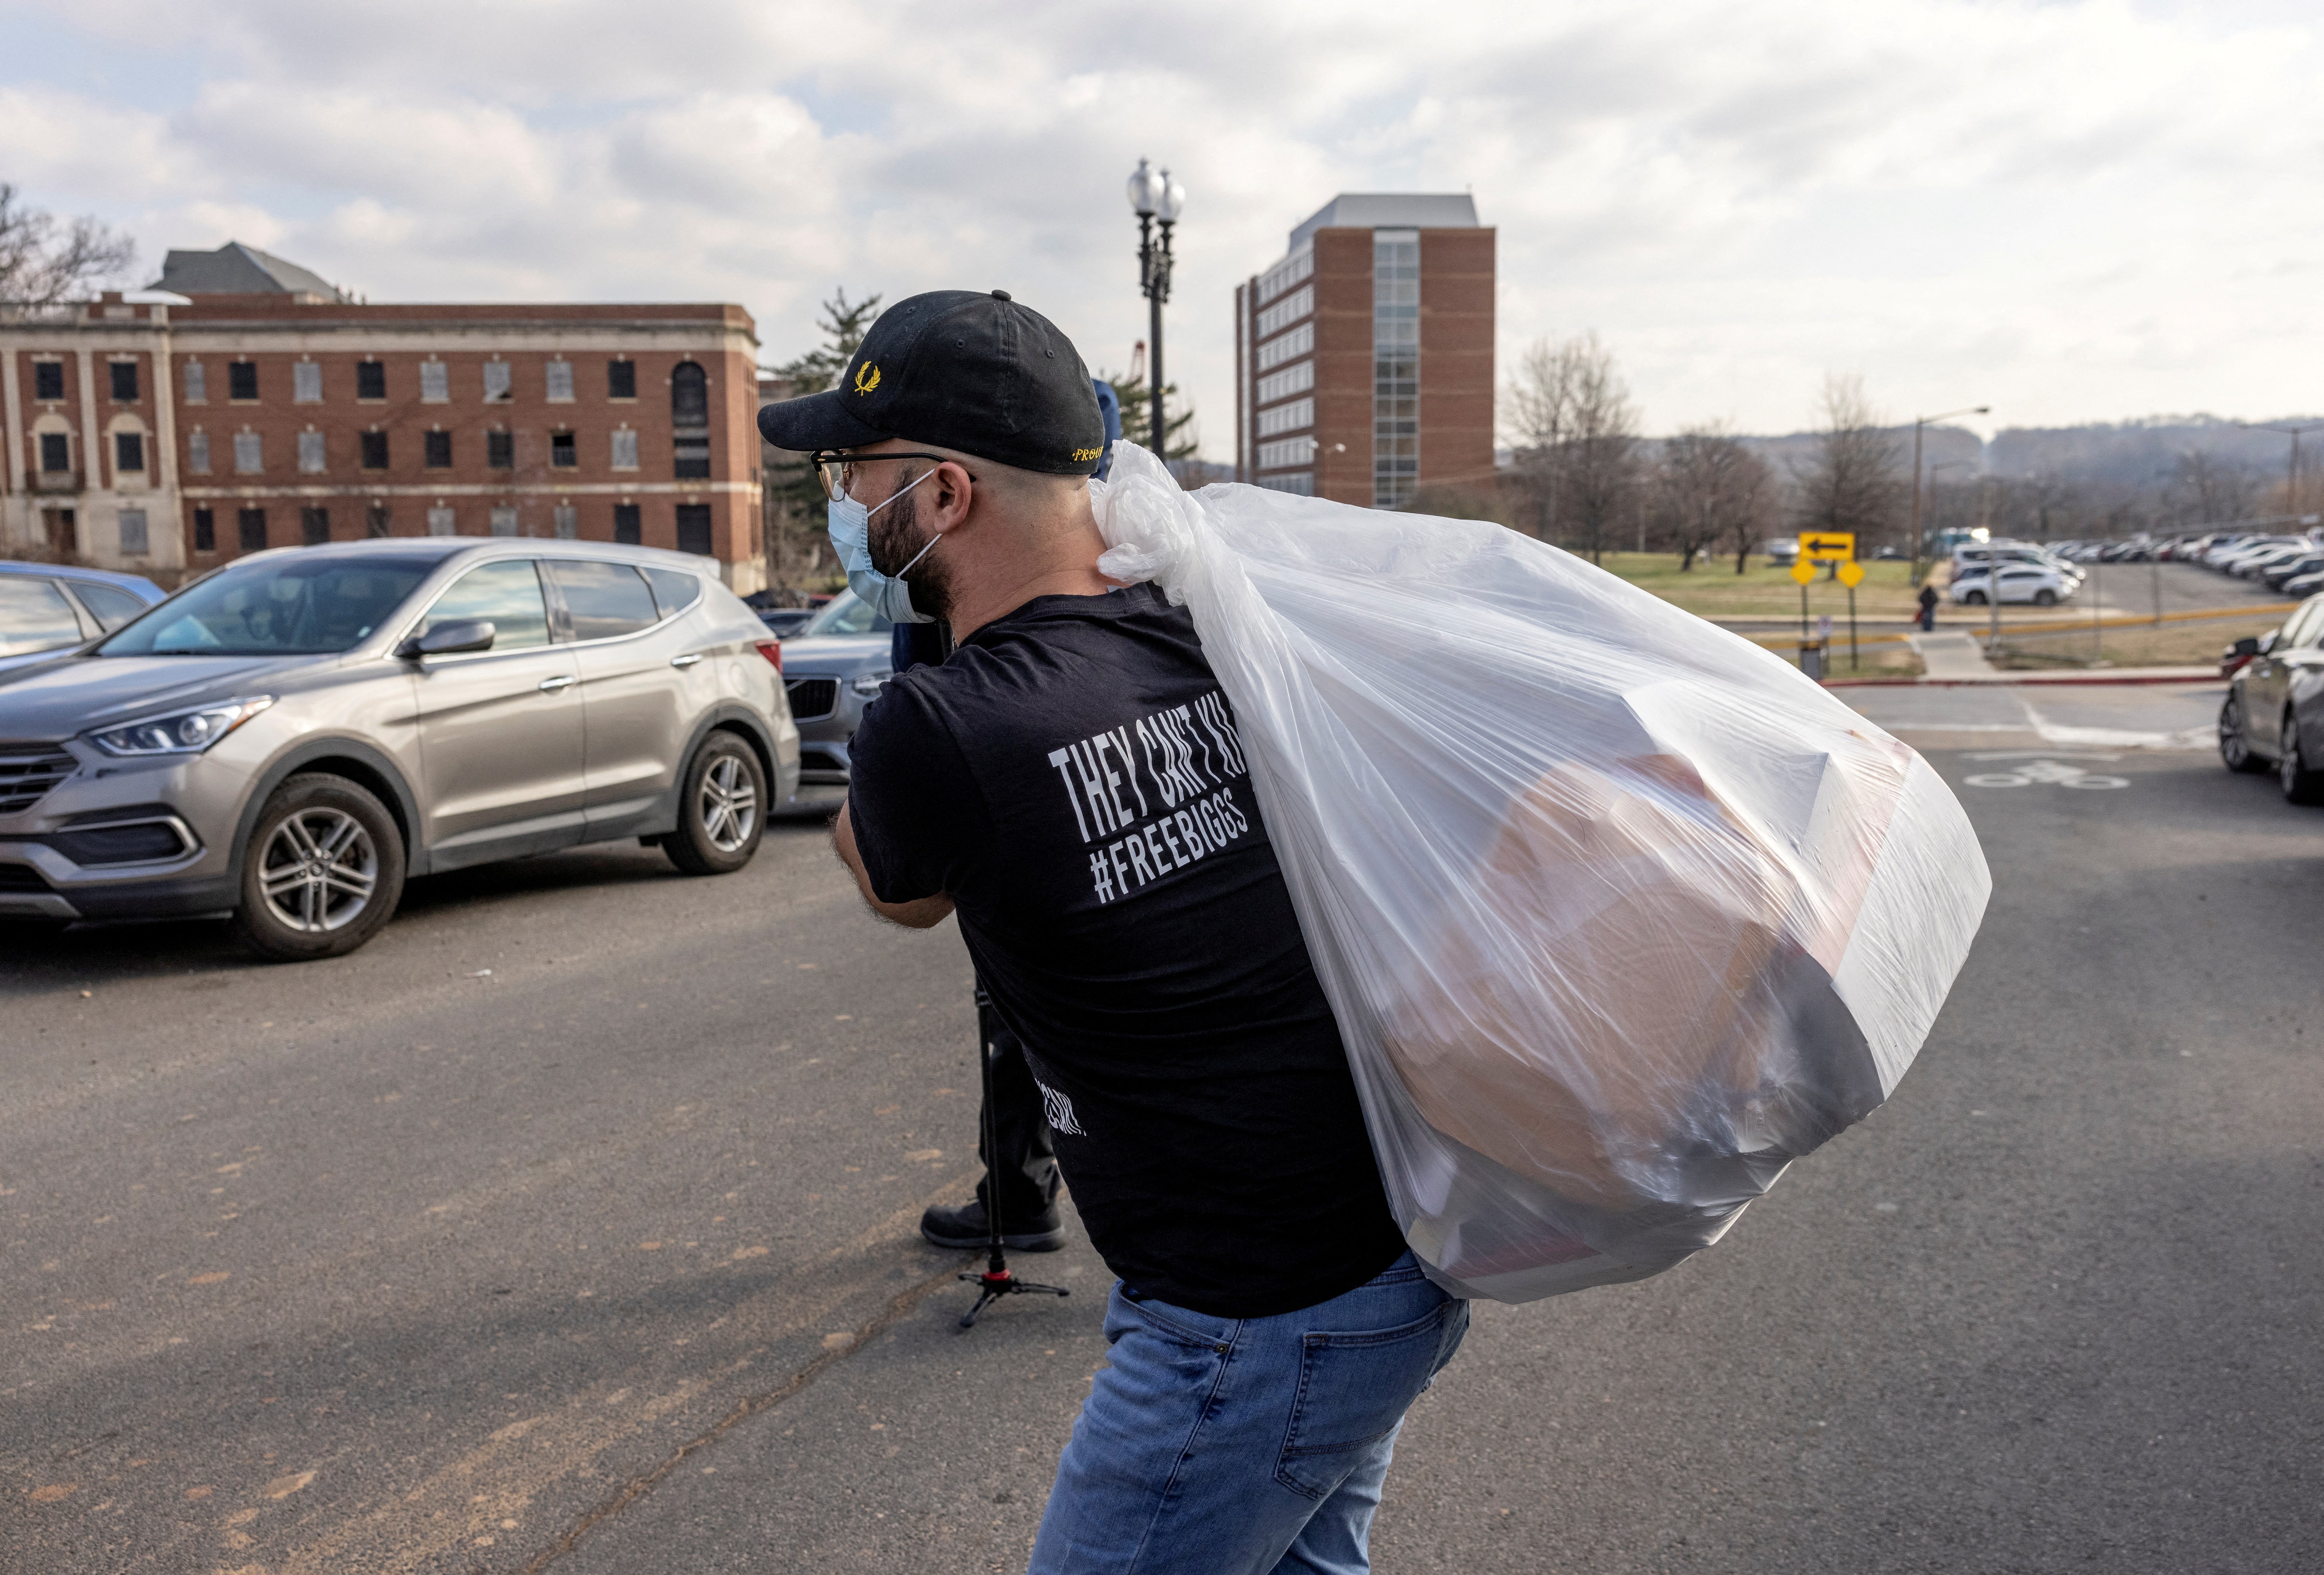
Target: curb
(2008,680)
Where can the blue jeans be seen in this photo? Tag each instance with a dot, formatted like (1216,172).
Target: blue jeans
(1241,1446)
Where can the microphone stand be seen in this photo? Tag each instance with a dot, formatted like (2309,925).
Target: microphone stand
(993,1281)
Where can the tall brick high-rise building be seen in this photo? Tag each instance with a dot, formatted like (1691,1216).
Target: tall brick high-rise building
(246,403)
(1364,358)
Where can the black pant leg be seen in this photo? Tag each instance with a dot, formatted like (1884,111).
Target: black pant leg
(1028,1168)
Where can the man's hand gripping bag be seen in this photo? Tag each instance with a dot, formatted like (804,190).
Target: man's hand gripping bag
(1618,912)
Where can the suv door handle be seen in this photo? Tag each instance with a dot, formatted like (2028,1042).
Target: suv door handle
(551,685)
(688,660)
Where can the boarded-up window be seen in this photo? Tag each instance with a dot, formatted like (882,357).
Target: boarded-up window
(504,522)
(496,380)
(132,531)
(197,383)
(559,377)
(440,521)
(569,522)
(249,454)
(310,452)
(689,419)
(435,382)
(625,448)
(306,382)
(197,452)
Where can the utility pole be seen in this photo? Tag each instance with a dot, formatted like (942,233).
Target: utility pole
(2292,476)
(1920,422)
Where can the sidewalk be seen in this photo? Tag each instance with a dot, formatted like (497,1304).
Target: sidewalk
(1951,655)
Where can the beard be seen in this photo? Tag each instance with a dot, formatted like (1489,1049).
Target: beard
(896,538)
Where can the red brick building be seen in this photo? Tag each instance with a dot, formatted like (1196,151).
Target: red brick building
(172,429)
(1364,358)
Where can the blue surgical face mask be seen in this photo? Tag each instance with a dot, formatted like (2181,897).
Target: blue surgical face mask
(850,523)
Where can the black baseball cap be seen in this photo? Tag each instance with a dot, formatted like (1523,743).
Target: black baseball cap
(957,369)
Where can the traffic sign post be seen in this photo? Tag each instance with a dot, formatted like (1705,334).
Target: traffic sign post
(1802,572)
(1850,574)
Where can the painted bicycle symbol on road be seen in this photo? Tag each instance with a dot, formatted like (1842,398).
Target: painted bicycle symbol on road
(2045,772)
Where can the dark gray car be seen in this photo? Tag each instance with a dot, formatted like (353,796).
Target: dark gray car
(287,739)
(2273,714)
(832,667)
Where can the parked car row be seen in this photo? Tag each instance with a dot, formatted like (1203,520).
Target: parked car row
(2028,572)
(286,740)
(2273,718)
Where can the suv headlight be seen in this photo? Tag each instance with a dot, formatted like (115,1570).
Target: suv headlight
(182,732)
(868,684)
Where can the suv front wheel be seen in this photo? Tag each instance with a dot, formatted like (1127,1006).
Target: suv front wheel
(323,871)
(721,809)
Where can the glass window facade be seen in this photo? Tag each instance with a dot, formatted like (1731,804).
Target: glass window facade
(1396,366)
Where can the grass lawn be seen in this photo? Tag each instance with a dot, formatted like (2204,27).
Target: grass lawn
(2196,642)
(1713,589)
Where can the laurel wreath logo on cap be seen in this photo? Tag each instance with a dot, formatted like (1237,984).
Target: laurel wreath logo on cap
(867,378)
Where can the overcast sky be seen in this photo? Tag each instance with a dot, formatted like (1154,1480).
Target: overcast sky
(2070,211)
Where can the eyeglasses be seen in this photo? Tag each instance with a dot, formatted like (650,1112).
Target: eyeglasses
(836,471)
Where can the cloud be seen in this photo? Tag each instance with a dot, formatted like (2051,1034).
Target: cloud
(2079,209)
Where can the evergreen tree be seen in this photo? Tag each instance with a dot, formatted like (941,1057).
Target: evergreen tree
(1135,395)
(797,549)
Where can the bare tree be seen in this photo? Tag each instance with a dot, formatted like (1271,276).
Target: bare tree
(44,261)
(1854,481)
(1575,433)
(2206,489)
(1710,492)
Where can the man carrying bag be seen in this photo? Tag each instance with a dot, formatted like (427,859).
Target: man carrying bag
(1070,782)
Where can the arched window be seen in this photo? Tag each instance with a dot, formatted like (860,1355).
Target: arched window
(689,419)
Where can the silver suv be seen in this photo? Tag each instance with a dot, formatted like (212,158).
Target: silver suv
(287,739)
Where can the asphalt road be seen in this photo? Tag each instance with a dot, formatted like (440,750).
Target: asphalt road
(603,1261)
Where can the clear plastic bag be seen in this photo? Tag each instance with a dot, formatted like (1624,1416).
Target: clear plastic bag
(1618,913)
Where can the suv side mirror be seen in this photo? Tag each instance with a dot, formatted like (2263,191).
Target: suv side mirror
(447,639)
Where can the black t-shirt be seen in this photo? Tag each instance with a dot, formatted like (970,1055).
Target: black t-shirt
(1072,777)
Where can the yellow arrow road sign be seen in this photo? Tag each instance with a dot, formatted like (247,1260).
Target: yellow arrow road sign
(1828,546)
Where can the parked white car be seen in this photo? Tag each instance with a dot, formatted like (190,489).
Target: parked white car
(2038,584)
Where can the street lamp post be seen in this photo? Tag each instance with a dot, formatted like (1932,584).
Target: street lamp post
(2291,478)
(1156,198)
(1918,423)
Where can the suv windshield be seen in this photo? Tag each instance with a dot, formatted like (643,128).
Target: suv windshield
(846,614)
(291,606)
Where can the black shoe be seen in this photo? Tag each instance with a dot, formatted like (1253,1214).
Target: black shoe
(966,1227)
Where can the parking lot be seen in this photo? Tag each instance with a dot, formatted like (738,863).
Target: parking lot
(570,1225)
